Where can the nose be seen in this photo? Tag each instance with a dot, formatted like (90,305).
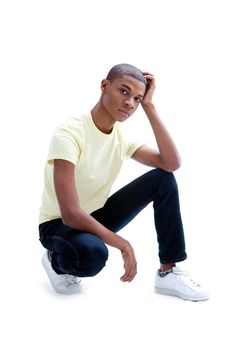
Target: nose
(129,103)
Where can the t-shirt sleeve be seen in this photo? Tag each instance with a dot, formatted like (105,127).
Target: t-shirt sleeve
(130,141)
(131,147)
(64,146)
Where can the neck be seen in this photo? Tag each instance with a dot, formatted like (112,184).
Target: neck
(102,119)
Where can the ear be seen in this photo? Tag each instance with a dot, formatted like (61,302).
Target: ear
(104,84)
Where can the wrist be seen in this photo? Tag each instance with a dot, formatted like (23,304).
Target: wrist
(148,105)
(124,245)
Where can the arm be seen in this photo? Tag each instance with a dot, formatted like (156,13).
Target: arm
(73,216)
(167,157)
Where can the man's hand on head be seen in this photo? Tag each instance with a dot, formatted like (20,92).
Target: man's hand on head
(150,88)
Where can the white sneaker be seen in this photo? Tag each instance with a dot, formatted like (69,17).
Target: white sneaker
(179,284)
(65,284)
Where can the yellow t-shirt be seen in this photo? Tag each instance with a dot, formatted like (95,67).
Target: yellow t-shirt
(97,157)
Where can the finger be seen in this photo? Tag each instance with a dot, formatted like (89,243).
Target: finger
(128,278)
(149,78)
(126,275)
(129,274)
(148,75)
(130,266)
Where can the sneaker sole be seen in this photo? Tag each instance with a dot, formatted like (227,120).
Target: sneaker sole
(185,297)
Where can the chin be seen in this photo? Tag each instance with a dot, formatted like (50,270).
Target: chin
(121,120)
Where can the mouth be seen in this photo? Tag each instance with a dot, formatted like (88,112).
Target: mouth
(124,112)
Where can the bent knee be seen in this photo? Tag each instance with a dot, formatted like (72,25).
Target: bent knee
(100,254)
(167,179)
(94,259)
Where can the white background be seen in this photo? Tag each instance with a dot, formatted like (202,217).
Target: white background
(53,57)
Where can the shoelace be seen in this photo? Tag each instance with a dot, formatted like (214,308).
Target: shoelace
(71,279)
(187,279)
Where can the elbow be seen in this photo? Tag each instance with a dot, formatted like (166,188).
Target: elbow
(69,218)
(173,166)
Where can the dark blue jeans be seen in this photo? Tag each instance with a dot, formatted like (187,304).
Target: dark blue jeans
(84,254)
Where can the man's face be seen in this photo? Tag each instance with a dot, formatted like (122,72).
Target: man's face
(122,96)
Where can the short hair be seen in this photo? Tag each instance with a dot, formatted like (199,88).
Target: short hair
(119,70)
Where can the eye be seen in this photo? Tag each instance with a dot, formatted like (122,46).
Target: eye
(137,99)
(123,91)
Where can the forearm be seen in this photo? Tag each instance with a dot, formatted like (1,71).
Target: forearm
(167,148)
(83,221)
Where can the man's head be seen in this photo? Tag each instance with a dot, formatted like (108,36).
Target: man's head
(122,91)
(119,70)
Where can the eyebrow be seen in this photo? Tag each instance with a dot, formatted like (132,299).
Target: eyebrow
(127,87)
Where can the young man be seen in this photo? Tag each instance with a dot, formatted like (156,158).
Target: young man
(77,216)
